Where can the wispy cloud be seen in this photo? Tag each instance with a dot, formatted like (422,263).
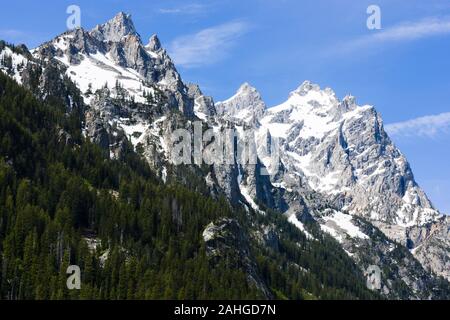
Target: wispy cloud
(405,31)
(428,126)
(11,33)
(187,9)
(207,46)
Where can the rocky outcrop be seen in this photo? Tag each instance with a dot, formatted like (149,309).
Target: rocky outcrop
(225,240)
(431,245)
(401,274)
(203,105)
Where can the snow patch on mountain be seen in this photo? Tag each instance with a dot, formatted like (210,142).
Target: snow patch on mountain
(12,64)
(134,131)
(246,194)
(294,220)
(340,225)
(96,71)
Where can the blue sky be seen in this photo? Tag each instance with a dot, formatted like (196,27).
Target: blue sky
(403,69)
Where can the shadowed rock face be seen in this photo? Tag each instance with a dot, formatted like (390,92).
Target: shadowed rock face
(153,44)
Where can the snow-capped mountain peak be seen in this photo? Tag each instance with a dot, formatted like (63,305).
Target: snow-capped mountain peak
(245,92)
(112,54)
(349,103)
(343,152)
(247,88)
(305,87)
(312,94)
(246,105)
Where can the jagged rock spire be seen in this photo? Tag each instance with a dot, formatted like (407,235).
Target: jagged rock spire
(246,104)
(308,86)
(153,44)
(115,29)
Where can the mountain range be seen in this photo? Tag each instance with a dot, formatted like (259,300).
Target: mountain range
(338,174)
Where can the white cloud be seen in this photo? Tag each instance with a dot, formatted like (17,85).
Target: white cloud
(405,31)
(11,33)
(428,126)
(207,46)
(415,30)
(188,9)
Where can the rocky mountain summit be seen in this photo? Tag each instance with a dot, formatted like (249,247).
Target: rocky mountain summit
(337,172)
(342,151)
(246,105)
(113,53)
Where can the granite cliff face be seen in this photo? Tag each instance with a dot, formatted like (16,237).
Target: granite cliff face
(337,171)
